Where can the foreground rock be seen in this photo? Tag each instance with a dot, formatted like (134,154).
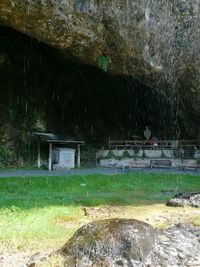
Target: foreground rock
(185,198)
(114,242)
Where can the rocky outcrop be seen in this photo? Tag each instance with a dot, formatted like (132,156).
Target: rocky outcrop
(184,199)
(156,41)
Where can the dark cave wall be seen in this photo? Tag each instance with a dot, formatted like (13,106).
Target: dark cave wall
(42,90)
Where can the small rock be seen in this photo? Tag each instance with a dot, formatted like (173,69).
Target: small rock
(185,198)
(181,255)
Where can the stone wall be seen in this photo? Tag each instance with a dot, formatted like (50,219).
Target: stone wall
(139,158)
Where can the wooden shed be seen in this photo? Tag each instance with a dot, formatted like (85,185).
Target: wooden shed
(54,141)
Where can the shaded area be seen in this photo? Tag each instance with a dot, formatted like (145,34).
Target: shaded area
(43,90)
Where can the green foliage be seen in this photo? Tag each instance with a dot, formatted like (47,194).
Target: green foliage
(196,221)
(28,167)
(110,155)
(103,62)
(126,154)
(5,156)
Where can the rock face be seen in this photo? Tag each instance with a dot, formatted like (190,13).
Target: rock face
(176,246)
(183,199)
(113,242)
(156,41)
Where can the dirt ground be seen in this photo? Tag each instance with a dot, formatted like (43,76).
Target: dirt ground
(158,215)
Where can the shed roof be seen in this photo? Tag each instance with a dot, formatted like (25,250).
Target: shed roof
(56,139)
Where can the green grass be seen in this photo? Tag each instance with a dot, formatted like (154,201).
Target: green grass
(15,167)
(31,207)
(196,221)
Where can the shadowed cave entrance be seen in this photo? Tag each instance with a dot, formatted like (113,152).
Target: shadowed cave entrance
(44,90)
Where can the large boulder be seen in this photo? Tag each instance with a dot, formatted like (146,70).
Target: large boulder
(113,242)
(156,41)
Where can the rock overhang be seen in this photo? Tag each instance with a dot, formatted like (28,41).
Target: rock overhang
(157,41)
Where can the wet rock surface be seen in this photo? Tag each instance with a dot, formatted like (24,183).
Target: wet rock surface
(185,198)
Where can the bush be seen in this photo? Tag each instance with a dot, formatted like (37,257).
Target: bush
(5,156)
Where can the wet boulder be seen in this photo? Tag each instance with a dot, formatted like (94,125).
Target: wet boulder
(112,242)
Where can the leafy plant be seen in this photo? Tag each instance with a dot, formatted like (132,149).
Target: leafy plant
(103,62)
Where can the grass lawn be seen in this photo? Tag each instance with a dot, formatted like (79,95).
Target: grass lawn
(43,212)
